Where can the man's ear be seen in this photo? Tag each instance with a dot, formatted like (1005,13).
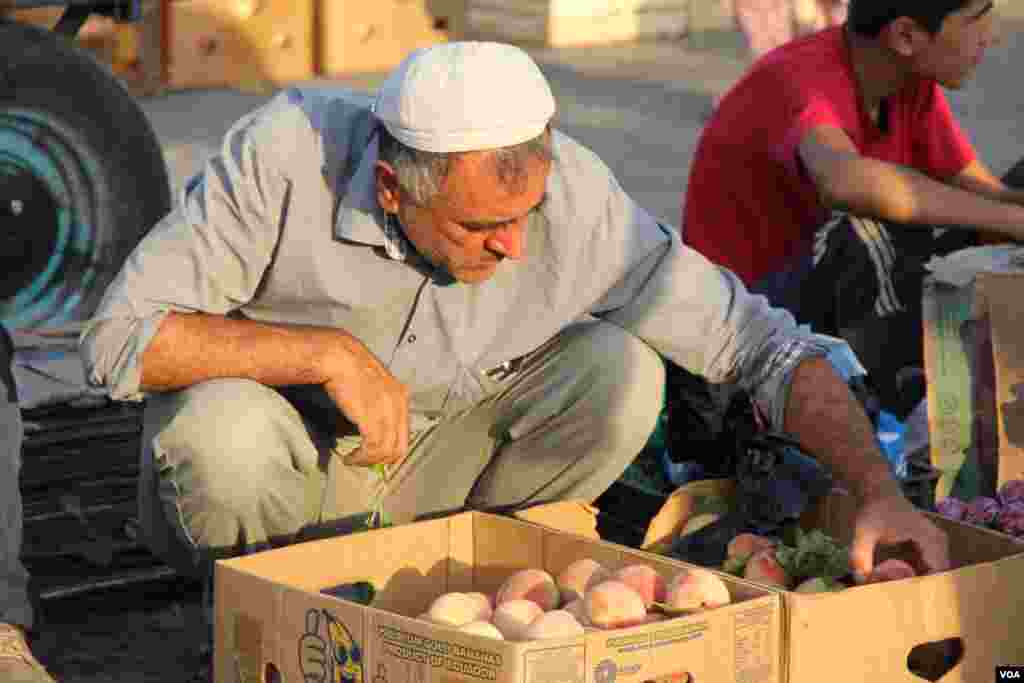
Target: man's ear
(387,187)
(905,36)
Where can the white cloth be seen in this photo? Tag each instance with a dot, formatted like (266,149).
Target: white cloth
(465,96)
(961,267)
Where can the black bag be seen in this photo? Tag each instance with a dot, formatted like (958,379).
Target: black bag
(776,481)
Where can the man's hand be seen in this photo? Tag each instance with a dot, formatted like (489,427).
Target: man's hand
(831,424)
(378,405)
(890,519)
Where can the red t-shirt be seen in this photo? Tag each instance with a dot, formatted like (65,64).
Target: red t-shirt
(750,206)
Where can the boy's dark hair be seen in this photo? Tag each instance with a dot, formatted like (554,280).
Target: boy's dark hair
(869,17)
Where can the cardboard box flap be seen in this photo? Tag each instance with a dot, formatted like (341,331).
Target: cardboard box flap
(973,545)
(405,575)
(569,516)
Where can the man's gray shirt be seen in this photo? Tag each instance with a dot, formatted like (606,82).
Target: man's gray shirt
(283,226)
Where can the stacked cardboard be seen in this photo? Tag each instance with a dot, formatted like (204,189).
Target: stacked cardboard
(564,23)
(254,45)
(375,36)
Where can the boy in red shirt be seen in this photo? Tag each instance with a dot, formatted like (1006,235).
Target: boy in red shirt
(820,176)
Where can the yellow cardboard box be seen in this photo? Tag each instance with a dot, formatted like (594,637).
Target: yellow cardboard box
(274,623)
(868,633)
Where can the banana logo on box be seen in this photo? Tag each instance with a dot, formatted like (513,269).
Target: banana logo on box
(327,651)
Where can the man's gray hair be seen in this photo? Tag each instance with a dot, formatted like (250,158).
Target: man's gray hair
(421,174)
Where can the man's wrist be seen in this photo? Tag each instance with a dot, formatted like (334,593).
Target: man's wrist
(875,484)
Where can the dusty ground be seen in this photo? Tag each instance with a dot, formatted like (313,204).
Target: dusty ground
(639,107)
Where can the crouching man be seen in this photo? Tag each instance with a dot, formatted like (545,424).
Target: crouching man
(444,286)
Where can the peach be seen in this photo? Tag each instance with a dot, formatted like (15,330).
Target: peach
(578,609)
(554,624)
(891,570)
(818,585)
(745,545)
(574,580)
(486,606)
(696,589)
(530,584)
(482,628)
(513,617)
(455,609)
(613,604)
(764,568)
(644,580)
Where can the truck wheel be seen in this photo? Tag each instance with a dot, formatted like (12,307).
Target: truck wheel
(82,178)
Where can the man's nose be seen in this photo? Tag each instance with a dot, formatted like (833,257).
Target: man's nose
(994,36)
(509,240)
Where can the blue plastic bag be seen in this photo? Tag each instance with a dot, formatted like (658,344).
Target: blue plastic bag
(890,437)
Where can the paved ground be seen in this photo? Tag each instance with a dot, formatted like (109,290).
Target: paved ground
(639,107)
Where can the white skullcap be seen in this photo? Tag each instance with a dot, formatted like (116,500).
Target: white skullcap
(465,96)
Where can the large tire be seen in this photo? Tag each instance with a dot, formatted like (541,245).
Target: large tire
(82,178)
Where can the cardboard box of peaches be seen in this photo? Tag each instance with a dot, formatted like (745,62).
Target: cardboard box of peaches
(954,626)
(483,597)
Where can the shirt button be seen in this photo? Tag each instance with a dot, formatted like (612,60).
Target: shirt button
(411,338)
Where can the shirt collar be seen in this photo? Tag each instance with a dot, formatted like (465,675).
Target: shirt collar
(360,218)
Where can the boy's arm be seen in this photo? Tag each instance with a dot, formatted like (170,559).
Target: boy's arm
(978,178)
(870,187)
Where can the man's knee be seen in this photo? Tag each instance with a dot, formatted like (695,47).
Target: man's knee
(224,441)
(625,378)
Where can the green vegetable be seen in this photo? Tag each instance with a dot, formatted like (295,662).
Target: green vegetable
(815,554)
(378,517)
(735,565)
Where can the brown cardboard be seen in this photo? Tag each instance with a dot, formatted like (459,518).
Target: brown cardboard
(271,615)
(253,45)
(375,36)
(866,633)
(569,516)
(998,298)
(974,361)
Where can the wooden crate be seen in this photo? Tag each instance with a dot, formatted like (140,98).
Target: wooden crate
(375,35)
(253,45)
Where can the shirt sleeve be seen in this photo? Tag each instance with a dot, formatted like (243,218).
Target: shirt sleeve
(809,112)
(700,315)
(942,145)
(208,255)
